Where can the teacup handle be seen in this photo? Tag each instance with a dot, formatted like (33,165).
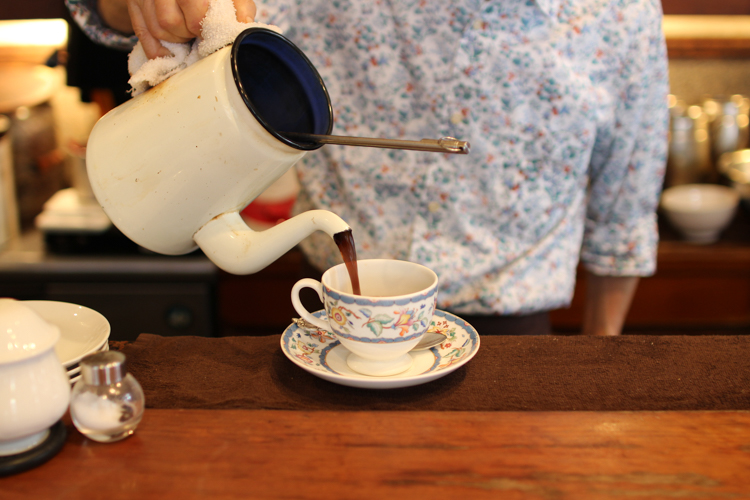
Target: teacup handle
(304,313)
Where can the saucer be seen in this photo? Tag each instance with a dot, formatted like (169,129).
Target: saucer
(319,353)
(82,330)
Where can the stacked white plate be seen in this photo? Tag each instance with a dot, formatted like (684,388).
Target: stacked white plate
(74,369)
(83,331)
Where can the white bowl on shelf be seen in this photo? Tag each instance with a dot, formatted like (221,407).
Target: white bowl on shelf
(700,211)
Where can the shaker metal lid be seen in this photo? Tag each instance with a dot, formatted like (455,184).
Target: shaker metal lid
(103,368)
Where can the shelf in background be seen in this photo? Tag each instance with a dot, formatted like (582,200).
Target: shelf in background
(707,37)
(697,289)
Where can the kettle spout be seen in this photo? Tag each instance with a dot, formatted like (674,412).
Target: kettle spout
(235,248)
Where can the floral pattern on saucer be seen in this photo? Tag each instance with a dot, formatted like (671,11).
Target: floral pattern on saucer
(319,353)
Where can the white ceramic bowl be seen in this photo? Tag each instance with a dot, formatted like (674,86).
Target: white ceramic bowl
(700,211)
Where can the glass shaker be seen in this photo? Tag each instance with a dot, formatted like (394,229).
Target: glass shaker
(107,402)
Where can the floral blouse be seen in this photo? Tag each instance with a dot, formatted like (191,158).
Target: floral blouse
(564,103)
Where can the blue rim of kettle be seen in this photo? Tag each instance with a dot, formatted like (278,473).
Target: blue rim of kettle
(305,146)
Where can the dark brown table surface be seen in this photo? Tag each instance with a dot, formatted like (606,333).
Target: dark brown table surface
(547,373)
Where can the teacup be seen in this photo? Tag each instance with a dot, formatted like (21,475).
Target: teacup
(382,325)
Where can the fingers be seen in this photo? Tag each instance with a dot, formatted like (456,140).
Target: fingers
(176,21)
(246,10)
(151,45)
(190,14)
(166,21)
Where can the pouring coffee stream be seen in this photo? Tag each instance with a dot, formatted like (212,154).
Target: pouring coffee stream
(345,241)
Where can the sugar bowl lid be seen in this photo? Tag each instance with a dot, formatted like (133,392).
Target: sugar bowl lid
(23,333)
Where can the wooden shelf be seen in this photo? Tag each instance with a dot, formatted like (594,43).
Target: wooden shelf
(707,37)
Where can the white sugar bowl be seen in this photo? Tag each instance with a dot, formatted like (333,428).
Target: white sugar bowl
(34,386)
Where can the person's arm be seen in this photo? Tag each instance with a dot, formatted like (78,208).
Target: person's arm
(607,303)
(115,14)
(175,21)
(626,172)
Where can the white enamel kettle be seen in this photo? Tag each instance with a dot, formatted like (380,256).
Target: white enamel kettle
(174,166)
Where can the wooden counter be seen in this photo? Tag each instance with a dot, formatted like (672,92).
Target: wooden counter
(183,454)
(534,417)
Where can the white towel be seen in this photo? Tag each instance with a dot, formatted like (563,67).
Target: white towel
(219,29)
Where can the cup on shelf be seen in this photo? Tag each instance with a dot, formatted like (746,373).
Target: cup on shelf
(735,169)
(728,123)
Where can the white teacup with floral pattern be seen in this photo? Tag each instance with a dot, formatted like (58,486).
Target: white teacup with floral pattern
(383,324)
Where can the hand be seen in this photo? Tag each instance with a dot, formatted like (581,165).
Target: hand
(175,21)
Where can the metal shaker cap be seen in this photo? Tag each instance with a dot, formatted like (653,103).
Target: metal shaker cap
(103,368)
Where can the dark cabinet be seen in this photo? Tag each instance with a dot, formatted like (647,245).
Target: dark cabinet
(136,293)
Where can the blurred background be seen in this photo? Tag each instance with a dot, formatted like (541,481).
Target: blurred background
(57,244)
